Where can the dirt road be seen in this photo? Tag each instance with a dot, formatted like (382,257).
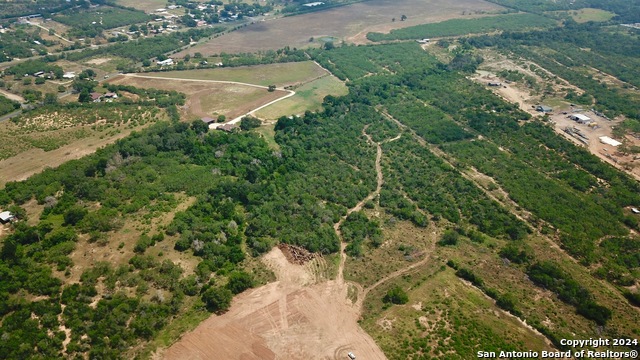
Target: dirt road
(238,118)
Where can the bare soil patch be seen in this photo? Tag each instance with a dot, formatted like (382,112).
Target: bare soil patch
(11,96)
(98,61)
(350,23)
(615,156)
(292,318)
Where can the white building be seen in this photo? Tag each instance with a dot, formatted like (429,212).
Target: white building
(167,62)
(609,141)
(581,119)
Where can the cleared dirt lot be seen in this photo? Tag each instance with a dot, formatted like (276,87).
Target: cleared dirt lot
(207,98)
(292,318)
(350,23)
(615,156)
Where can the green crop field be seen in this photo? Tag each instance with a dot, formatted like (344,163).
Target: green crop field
(456,27)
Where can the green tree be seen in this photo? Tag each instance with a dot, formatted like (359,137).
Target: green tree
(217,299)
(50,99)
(396,296)
(74,215)
(199,126)
(84,96)
(249,122)
(239,281)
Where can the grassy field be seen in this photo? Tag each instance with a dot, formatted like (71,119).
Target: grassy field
(276,74)
(147,6)
(23,155)
(207,98)
(589,14)
(444,316)
(308,97)
(455,27)
(349,23)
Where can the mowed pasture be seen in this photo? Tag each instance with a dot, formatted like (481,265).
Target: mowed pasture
(207,98)
(589,14)
(349,23)
(147,6)
(272,74)
(308,97)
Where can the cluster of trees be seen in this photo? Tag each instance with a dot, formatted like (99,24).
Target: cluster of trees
(151,96)
(456,27)
(283,55)
(358,229)
(7,106)
(147,48)
(548,275)
(504,301)
(396,295)
(626,11)
(92,22)
(352,63)
(31,67)
(19,43)
(14,9)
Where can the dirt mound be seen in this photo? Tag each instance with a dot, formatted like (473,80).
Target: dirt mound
(296,254)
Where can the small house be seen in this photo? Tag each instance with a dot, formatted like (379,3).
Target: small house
(312,4)
(544,109)
(69,75)
(6,216)
(207,120)
(95,97)
(111,95)
(167,62)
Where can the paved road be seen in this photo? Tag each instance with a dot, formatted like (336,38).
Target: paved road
(10,115)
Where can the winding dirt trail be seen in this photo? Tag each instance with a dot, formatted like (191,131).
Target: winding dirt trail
(358,207)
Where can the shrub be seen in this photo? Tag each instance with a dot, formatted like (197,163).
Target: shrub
(396,296)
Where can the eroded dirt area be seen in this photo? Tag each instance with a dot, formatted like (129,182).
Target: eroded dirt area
(292,318)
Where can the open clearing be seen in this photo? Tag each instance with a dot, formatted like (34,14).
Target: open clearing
(527,98)
(308,97)
(589,14)
(207,98)
(289,74)
(144,5)
(292,318)
(350,23)
(32,161)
